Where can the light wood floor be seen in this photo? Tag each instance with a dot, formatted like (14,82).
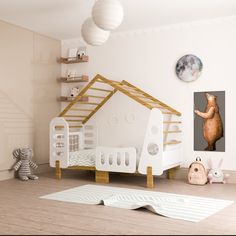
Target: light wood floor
(22,212)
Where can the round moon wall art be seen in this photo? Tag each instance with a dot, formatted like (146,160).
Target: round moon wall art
(188,68)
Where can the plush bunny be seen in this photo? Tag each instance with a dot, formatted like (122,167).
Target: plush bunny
(215,174)
(24,156)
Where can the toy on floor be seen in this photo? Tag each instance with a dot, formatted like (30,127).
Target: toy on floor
(24,164)
(197,173)
(215,174)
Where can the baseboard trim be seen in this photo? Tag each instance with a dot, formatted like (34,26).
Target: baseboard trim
(10,174)
(182,174)
(43,168)
(6,174)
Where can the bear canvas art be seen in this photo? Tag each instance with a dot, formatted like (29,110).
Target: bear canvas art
(209,119)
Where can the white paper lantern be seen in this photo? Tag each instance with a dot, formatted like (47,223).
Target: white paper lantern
(92,34)
(107,14)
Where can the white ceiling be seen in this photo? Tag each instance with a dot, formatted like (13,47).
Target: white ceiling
(62,19)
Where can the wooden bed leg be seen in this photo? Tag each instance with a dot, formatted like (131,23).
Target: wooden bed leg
(171,172)
(102,177)
(58,170)
(150,180)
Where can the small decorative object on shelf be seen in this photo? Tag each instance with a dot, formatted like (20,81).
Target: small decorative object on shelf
(82,51)
(24,164)
(74,92)
(215,174)
(197,172)
(71,75)
(72,54)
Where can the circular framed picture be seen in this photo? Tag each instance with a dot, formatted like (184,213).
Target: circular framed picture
(188,68)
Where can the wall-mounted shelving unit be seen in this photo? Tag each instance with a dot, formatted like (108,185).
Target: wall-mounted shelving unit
(77,81)
(69,99)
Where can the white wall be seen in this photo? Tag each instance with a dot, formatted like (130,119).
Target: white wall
(147,58)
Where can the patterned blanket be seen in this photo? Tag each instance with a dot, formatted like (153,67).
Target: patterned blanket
(82,158)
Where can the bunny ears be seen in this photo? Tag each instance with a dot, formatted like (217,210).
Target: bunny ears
(211,164)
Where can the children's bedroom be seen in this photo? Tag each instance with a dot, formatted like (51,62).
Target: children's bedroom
(117,117)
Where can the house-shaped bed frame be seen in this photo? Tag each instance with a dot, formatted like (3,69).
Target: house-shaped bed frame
(153,161)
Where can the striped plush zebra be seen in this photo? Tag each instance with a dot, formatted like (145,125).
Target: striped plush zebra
(23,166)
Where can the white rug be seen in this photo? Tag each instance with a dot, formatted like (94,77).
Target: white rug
(184,207)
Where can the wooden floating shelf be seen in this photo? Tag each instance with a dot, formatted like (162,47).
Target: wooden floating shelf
(70,99)
(73,61)
(81,79)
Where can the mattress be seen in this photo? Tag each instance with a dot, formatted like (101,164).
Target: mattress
(84,157)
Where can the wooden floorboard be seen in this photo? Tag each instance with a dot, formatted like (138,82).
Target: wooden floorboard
(23,212)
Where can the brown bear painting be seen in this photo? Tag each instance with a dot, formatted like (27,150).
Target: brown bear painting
(212,127)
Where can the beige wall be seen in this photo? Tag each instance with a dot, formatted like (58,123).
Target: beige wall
(28,91)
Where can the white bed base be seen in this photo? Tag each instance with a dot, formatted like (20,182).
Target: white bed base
(116,159)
